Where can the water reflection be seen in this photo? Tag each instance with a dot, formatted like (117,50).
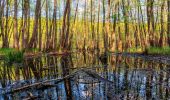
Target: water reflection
(66,63)
(85,76)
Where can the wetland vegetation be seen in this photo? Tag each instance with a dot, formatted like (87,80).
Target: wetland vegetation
(84,49)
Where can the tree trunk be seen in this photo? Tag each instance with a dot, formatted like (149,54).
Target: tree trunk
(150,20)
(15,36)
(40,32)
(1,19)
(47,23)
(105,36)
(33,40)
(98,20)
(55,25)
(64,43)
(126,23)
(168,27)
(5,43)
(162,25)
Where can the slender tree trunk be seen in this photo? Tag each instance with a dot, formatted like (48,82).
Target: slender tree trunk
(23,24)
(142,31)
(15,36)
(113,33)
(150,20)
(105,36)
(98,19)
(92,25)
(26,23)
(55,25)
(126,23)
(108,24)
(40,32)
(120,43)
(5,43)
(33,40)
(47,23)
(168,26)
(85,27)
(162,25)
(2,20)
(66,28)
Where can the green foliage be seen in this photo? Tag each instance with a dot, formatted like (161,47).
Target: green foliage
(4,51)
(159,50)
(14,57)
(135,50)
(151,50)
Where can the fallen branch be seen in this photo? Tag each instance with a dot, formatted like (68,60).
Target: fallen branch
(47,82)
(44,83)
(95,75)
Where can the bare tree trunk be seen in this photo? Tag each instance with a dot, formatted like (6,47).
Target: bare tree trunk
(162,25)
(85,26)
(168,26)
(5,43)
(33,40)
(25,23)
(98,19)
(142,31)
(126,22)
(105,36)
(55,25)
(47,23)
(108,24)
(150,20)
(92,25)
(64,43)
(1,19)
(15,36)
(113,34)
(120,43)
(40,32)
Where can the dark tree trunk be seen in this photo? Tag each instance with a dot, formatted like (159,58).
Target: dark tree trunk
(126,22)
(168,27)
(64,42)
(162,26)
(15,36)
(150,20)
(33,40)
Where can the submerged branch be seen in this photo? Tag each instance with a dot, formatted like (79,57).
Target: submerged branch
(41,84)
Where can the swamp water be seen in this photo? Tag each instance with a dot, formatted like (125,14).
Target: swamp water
(85,76)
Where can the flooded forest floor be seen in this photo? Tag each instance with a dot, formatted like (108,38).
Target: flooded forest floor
(84,76)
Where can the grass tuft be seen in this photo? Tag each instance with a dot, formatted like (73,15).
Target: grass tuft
(135,50)
(4,51)
(159,50)
(14,57)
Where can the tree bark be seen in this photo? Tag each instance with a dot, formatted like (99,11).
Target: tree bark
(162,25)
(64,42)
(150,20)
(126,23)
(168,26)
(15,36)
(5,41)
(33,40)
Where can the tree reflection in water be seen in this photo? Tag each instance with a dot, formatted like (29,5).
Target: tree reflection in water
(66,63)
(86,76)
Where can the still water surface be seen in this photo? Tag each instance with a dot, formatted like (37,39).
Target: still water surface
(85,76)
